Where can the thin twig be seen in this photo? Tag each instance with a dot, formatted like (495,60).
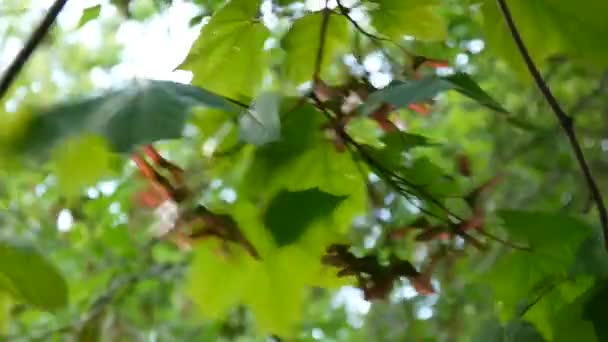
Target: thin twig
(322,38)
(504,242)
(538,298)
(564,119)
(372,37)
(32,43)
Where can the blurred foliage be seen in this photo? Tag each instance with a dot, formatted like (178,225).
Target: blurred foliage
(407,130)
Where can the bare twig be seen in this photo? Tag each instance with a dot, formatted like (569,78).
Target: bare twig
(372,37)
(322,38)
(544,292)
(564,119)
(32,43)
(504,242)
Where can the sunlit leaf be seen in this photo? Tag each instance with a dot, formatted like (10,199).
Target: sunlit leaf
(88,14)
(229,57)
(301,45)
(218,277)
(420,19)
(80,162)
(304,158)
(549,28)
(365,131)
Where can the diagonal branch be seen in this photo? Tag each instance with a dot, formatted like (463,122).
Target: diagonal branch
(564,119)
(32,43)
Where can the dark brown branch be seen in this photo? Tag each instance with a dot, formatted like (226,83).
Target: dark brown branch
(32,43)
(564,119)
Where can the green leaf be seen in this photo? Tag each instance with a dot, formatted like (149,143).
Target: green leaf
(88,14)
(30,278)
(552,234)
(558,304)
(418,18)
(554,240)
(223,277)
(595,311)
(464,84)
(142,112)
(229,57)
(591,257)
(301,45)
(4,312)
(286,2)
(217,280)
(289,214)
(549,28)
(395,144)
(522,331)
(401,94)
(262,124)
(81,162)
(304,158)
(365,131)
(490,331)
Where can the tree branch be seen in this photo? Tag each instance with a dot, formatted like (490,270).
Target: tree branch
(32,43)
(564,119)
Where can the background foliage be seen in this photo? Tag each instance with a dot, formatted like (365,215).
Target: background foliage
(423,145)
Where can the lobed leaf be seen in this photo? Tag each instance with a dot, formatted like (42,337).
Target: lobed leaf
(142,112)
(420,19)
(228,57)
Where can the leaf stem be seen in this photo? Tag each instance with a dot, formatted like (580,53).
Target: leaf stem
(564,119)
(28,49)
(322,38)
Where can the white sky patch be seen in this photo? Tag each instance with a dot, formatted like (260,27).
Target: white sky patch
(317,334)
(370,240)
(373,63)
(65,220)
(152,49)
(92,193)
(107,188)
(605,145)
(462,59)
(424,313)
(40,189)
(114,208)
(406,291)
(228,195)
(475,46)
(155,48)
(380,79)
(355,305)
(383,214)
